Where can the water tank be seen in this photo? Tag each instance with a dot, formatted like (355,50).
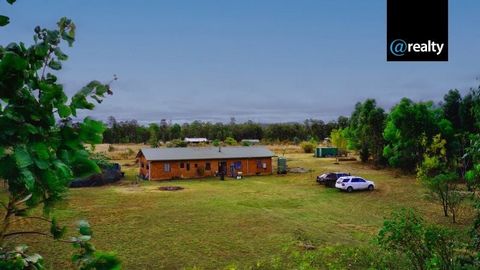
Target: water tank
(282,165)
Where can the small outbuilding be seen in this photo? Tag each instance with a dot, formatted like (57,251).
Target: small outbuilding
(196,140)
(198,162)
(326,152)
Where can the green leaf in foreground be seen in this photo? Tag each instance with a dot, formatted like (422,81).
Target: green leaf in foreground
(4,20)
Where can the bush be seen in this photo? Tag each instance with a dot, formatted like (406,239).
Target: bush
(101,160)
(216,142)
(332,257)
(246,143)
(230,141)
(177,143)
(308,146)
(425,246)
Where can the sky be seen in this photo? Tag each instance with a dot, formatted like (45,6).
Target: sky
(260,60)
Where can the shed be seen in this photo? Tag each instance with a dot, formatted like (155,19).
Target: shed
(198,162)
(326,152)
(196,140)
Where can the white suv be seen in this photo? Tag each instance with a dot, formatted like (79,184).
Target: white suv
(351,183)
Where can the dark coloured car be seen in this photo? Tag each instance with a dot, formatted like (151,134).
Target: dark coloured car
(329,179)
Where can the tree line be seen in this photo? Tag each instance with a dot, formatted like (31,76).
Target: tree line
(132,132)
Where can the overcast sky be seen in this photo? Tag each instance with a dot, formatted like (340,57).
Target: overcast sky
(267,61)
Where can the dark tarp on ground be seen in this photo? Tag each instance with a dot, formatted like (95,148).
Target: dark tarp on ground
(109,175)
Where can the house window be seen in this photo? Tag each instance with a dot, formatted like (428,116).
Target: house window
(148,166)
(208,166)
(166,167)
(259,164)
(196,165)
(182,165)
(188,166)
(237,165)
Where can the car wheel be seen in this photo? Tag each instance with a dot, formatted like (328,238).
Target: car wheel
(370,187)
(349,189)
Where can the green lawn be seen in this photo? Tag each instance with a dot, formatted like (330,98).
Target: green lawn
(212,223)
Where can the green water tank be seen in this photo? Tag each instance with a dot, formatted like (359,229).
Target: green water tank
(282,165)
(326,152)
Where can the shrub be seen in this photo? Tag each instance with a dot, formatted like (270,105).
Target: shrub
(308,146)
(230,141)
(425,246)
(177,143)
(111,148)
(216,142)
(332,257)
(246,143)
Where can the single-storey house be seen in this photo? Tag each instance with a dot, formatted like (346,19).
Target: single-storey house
(197,162)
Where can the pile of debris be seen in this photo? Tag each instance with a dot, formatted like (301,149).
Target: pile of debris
(110,174)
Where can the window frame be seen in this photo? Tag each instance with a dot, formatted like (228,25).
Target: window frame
(167,167)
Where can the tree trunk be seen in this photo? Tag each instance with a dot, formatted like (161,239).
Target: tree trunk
(6,221)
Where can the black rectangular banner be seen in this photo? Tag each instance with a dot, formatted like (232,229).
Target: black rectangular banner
(417,30)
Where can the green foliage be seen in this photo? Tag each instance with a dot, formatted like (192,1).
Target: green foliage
(436,175)
(19,259)
(154,130)
(338,139)
(331,257)
(230,141)
(43,156)
(410,127)
(365,131)
(4,20)
(102,160)
(246,143)
(216,142)
(472,176)
(88,258)
(41,149)
(308,146)
(425,246)
(177,143)
(133,132)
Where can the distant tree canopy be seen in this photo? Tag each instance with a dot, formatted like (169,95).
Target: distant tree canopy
(132,132)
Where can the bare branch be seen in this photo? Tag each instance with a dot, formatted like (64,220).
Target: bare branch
(36,233)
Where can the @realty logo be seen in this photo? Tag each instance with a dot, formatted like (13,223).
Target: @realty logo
(400,47)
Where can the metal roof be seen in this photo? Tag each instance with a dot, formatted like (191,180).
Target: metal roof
(196,139)
(195,153)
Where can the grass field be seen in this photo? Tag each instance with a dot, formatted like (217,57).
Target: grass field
(211,223)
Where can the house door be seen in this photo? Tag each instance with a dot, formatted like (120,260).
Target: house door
(222,167)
